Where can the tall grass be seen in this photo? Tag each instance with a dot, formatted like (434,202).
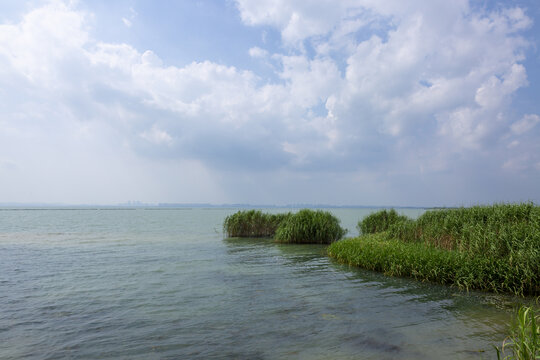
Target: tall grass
(524,341)
(306,226)
(498,230)
(310,226)
(380,221)
(427,263)
(252,223)
(495,248)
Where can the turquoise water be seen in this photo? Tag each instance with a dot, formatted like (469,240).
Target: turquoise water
(164,284)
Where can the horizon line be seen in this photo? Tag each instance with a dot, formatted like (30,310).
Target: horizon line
(173,205)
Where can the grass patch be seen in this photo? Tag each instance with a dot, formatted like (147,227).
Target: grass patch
(498,230)
(426,263)
(304,227)
(524,341)
(380,221)
(494,248)
(253,224)
(310,227)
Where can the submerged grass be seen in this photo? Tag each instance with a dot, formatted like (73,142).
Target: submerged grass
(495,248)
(524,341)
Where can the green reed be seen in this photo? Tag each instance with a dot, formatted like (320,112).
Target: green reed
(524,341)
(498,230)
(252,223)
(380,221)
(495,248)
(425,263)
(310,227)
(305,226)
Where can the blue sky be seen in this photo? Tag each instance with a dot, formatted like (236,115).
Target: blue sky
(357,102)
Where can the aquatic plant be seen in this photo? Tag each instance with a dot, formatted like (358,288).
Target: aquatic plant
(524,341)
(498,230)
(495,248)
(252,223)
(380,221)
(425,263)
(310,227)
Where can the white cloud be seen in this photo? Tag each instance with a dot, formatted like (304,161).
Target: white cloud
(157,136)
(257,52)
(361,86)
(527,123)
(494,91)
(522,153)
(127,22)
(37,46)
(150,59)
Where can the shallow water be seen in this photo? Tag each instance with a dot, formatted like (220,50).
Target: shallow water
(149,284)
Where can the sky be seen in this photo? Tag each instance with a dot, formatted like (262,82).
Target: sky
(355,102)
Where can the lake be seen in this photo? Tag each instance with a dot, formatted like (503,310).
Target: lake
(164,284)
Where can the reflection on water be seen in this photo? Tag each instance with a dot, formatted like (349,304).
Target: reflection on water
(163,284)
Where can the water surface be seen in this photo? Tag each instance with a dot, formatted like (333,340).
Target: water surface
(164,284)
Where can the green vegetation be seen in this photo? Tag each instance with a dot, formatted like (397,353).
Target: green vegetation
(310,227)
(304,227)
(427,263)
(253,224)
(379,221)
(494,248)
(524,341)
(497,230)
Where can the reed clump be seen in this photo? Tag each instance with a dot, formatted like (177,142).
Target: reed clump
(310,227)
(380,221)
(494,248)
(253,224)
(304,227)
(498,230)
(524,340)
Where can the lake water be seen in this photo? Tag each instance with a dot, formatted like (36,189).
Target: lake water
(164,284)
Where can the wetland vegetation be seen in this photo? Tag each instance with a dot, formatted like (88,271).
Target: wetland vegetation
(524,340)
(304,227)
(252,224)
(310,227)
(380,221)
(494,248)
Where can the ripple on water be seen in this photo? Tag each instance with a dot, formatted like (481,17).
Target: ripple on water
(156,284)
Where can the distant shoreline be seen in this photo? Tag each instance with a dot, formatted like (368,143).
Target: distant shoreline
(172,206)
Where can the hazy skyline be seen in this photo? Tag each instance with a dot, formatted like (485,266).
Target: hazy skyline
(356,102)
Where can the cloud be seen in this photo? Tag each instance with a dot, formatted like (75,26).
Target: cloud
(526,124)
(157,136)
(257,52)
(494,91)
(523,147)
(385,89)
(128,21)
(38,45)
(296,20)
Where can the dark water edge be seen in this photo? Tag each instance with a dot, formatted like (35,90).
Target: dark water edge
(165,285)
